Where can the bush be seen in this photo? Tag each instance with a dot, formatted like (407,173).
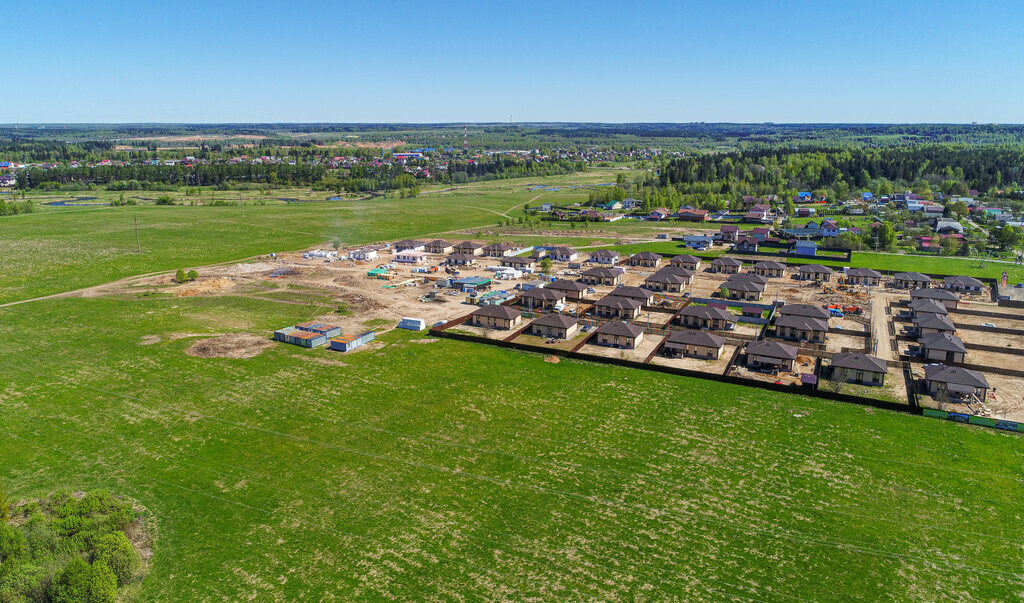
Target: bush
(164,200)
(12,543)
(180,276)
(71,584)
(5,506)
(119,555)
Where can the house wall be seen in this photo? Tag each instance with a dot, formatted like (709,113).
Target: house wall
(619,340)
(800,334)
(755,360)
(489,322)
(664,287)
(940,355)
(555,332)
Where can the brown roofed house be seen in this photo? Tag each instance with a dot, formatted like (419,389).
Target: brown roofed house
(697,344)
(618,334)
(618,307)
(852,367)
(496,317)
(771,356)
(556,326)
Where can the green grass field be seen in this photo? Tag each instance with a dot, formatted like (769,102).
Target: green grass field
(449,470)
(433,469)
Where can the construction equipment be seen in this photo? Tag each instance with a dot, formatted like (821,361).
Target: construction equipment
(828,289)
(853,310)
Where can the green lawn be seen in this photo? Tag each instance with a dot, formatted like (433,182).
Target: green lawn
(450,470)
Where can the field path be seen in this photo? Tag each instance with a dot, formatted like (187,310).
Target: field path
(879,328)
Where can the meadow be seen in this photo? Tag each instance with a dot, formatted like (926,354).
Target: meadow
(419,470)
(59,249)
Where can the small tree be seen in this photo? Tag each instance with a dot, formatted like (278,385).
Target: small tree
(335,244)
(180,275)
(545,265)
(192,275)
(119,555)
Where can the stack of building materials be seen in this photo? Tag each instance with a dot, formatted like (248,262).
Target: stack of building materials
(412,324)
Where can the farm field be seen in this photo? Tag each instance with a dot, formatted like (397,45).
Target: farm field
(65,248)
(411,469)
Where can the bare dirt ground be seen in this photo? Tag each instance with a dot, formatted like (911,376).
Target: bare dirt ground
(836,343)
(783,378)
(696,364)
(231,345)
(562,344)
(894,390)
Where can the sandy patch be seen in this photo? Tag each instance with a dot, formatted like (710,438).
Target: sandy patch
(149,339)
(217,285)
(552,359)
(323,361)
(424,340)
(233,345)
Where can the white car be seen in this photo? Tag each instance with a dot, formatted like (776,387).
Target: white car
(988,324)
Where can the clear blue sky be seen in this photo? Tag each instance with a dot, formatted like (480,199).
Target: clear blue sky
(369,61)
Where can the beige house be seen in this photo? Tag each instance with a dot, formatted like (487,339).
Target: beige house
(519,263)
(666,282)
(573,290)
(863,276)
(955,383)
(770,269)
(439,247)
(618,335)
(816,273)
(690,262)
(542,299)
(744,290)
(645,259)
(911,280)
(498,250)
(608,277)
(772,356)
(705,317)
(644,296)
(943,296)
(618,307)
(724,265)
(852,367)
(697,344)
(943,347)
(470,248)
(496,317)
(556,326)
(801,328)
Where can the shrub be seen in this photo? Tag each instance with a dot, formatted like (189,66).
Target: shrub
(12,543)
(119,555)
(5,506)
(71,584)
(180,276)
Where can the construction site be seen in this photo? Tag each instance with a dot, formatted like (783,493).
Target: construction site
(610,314)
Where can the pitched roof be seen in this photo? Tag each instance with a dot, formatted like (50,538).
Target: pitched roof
(614,301)
(859,362)
(916,277)
(497,311)
(868,272)
(771,349)
(927,306)
(685,259)
(544,294)
(462,257)
(555,320)
(470,244)
(499,247)
(408,243)
(519,260)
(930,293)
(743,285)
(708,312)
(601,272)
(801,322)
(804,310)
(963,281)
(670,278)
(677,270)
(564,285)
(943,342)
(934,321)
(604,253)
(563,251)
(816,269)
(622,329)
(690,337)
(747,276)
(724,261)
(439,243)
(632,292)
(770,265)
(645,255)
(955,375)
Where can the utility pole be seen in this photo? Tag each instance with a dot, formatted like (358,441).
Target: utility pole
(138,241)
